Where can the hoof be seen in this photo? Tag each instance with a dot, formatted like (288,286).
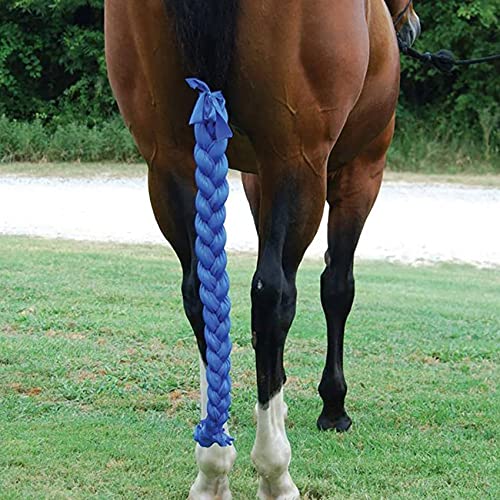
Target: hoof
(218,490)
(340,424)
(281,488)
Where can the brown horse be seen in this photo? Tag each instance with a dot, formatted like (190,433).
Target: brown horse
(311,88)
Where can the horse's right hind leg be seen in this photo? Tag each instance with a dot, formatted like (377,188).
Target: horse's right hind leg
(352,191)
(172,196)
(287,202)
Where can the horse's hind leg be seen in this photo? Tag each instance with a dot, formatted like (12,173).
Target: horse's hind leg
(172,194)
(290,210)
(352,190)
(251,185)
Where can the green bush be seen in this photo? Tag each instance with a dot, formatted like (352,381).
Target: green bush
(464,105)
(107,141)
(52,64)
(417,148)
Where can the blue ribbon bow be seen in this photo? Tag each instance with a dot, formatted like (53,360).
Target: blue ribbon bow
(210,107)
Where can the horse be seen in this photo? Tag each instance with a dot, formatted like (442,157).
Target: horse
(312,89)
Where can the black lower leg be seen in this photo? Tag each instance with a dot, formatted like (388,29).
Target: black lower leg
(193,306)
(288,221)
(173,202)
(273,310)
(337,295)
(352,190)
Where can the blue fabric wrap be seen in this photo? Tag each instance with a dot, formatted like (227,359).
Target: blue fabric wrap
(212,131)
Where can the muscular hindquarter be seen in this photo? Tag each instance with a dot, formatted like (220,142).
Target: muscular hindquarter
(283,94)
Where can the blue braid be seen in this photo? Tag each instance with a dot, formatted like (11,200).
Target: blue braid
(212,131)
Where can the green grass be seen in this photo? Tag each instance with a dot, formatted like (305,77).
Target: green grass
(99,379)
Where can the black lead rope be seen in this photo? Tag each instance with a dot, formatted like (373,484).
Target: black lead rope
(443,60)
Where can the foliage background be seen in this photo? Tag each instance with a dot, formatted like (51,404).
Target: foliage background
(53,75)
(465,103)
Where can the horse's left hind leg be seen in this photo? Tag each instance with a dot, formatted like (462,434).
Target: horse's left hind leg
(352,191)
(214,463)
(172,198)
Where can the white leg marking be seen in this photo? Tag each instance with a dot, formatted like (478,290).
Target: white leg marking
(272,453)
(214,463)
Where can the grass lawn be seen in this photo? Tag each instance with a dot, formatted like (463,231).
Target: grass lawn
(127,170)
(99,379)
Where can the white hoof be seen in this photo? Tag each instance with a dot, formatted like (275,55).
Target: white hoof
(272,453)
(282,488)
(205,488)
(214,464)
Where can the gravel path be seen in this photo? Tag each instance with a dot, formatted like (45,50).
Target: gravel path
(411,223)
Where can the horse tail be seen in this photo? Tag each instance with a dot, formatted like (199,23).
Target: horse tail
(206,33)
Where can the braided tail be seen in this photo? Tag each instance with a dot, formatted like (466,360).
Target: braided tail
(212,131)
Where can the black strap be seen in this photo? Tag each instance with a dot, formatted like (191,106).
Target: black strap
(403,13)
(443,60)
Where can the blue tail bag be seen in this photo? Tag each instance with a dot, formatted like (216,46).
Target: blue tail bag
(212,131)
